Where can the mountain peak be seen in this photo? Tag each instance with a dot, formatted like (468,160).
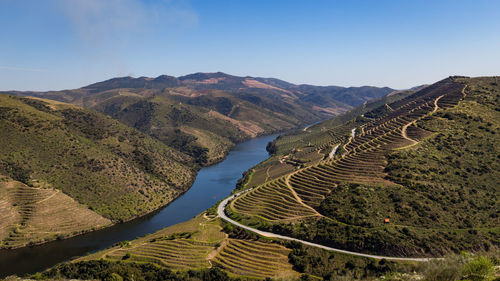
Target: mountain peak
(199,76)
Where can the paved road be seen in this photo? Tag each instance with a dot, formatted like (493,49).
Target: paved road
(222,214)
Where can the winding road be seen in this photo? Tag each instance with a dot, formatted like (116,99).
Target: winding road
(222,215)
(223,203)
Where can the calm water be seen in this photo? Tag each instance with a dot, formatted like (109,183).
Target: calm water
(212,184)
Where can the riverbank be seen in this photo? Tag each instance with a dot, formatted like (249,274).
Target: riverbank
(212,184)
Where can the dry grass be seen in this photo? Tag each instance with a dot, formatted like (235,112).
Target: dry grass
(256,259)
(36,215)
(200,243)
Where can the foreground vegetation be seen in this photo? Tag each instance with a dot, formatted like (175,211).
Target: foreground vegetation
(224,252)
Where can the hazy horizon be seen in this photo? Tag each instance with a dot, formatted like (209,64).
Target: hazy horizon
(58,44)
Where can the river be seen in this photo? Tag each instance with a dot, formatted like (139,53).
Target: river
(211,185)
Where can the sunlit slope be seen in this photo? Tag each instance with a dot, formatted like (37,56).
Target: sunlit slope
(31,215)
(415,176)
(115,170)
(202,243)
(205,114)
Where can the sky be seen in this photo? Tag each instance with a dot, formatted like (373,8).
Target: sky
(66,44)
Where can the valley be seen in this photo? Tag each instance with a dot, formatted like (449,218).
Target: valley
(179,140)
(161,132)
(205,114)
(366,188)
(377,205)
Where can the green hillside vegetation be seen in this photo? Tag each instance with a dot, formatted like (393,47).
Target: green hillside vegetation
(205,114)
(118,172)
(420,177)
(205,245)
(199,244)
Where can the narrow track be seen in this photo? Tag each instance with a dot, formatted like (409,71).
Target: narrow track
(403,129)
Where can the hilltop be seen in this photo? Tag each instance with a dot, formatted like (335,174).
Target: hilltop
(204,114)
(66,170)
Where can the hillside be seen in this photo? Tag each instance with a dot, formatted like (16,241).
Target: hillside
(415,176)
(207,242)
(204,114)
(54,154)
(397,176)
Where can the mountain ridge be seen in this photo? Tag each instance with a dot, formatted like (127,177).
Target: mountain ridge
(178,110)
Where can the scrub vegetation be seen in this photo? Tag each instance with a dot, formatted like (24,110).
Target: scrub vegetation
(412,174)
(50,151)
(416,177)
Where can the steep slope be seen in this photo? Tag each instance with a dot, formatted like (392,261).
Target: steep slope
(32,215)
(202,242)
(204,114)
(117,171)
(415,176)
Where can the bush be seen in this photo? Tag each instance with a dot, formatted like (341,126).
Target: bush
(480,268)
(443,270)
(127,256)
(464,267)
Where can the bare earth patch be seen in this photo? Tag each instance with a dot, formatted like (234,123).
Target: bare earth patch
(247,127)
(251,83)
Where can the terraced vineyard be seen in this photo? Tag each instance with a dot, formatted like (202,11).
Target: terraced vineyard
(254,258)
(201,243)
(33,215)
(273,201)
(174,254)
(364,159)
(317,140)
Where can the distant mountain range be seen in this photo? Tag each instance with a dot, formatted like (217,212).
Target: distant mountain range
(332,95)
(203,114)
(110,172)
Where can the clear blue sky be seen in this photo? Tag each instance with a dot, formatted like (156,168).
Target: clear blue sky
(58,44)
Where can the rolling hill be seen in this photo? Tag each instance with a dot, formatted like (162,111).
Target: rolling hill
(415,176)
(56,147)
(67,170)
(204,114)
(414,173)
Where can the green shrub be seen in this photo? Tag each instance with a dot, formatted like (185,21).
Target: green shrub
(113,277)
(480,268)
